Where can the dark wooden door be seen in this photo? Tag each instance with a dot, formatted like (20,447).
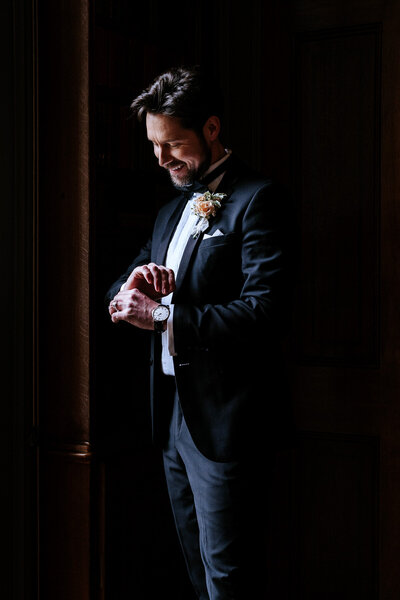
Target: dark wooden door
(343,125)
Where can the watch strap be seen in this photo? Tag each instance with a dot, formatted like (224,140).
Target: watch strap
(159,326)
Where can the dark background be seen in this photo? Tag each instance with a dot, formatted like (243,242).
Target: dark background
(312,100)
(131,46)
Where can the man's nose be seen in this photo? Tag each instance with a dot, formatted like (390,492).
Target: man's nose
(164,156)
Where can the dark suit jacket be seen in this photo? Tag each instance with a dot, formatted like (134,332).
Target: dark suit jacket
(230,310)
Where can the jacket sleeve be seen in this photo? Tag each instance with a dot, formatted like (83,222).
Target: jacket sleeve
(143,258)
(260,306)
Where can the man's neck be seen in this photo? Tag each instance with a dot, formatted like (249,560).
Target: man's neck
(217,152)
(216,163)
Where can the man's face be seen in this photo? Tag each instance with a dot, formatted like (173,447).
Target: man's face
(181,151)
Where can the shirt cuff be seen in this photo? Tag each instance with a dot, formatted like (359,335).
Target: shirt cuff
(170,331)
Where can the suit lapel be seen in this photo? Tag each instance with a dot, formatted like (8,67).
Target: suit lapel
(193,243)
(226,187)
(185,261)
(169,230)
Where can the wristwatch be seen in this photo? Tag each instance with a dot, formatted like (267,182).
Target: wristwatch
(160,314)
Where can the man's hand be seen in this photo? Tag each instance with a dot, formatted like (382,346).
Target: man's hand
(134,307)
(153,280)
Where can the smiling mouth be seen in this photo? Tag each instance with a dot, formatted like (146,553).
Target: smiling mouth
(176,169)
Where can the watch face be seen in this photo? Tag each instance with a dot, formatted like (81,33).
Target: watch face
(161,313)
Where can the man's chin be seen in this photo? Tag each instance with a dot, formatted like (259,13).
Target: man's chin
(181,182)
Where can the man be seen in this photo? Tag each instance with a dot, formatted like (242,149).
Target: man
(211,284)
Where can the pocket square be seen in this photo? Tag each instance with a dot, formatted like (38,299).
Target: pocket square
(215,234)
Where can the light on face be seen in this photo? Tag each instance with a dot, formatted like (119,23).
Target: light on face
(182,151)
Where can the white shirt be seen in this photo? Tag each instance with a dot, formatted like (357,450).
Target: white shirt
(173,259)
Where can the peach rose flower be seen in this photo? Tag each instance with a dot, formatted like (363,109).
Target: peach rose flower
(206,208)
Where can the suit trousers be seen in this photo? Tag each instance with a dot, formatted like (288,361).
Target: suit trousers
(214,513)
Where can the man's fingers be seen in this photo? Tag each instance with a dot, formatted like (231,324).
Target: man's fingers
(155,276)
(165,279)
(134,307)
(118,305)
(159,278)
(151,274)
(120,315)
(168,281)
(171,280)
(147,274)
(113,306)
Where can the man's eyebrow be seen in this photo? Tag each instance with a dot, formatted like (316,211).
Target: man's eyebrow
(168,141)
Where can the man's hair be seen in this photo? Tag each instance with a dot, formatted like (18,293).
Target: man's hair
(187,93)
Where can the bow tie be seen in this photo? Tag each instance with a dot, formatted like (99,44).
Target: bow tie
(201,186)
(195,187)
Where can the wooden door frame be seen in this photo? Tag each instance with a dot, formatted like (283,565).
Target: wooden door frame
(65,453)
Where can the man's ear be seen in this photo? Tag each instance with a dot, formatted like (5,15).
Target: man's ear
(211,128)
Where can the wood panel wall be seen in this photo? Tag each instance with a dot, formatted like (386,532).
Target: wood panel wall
(345,383)
(65,456)
(338,108)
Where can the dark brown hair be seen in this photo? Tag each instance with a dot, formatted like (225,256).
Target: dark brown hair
(188,93)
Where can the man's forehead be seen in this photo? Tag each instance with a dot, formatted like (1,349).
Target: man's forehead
(164,126)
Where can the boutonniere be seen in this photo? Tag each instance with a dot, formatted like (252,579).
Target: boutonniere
(204,207)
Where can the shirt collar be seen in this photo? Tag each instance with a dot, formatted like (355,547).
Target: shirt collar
(214,183)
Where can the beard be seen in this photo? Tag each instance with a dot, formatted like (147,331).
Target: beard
(192,175)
